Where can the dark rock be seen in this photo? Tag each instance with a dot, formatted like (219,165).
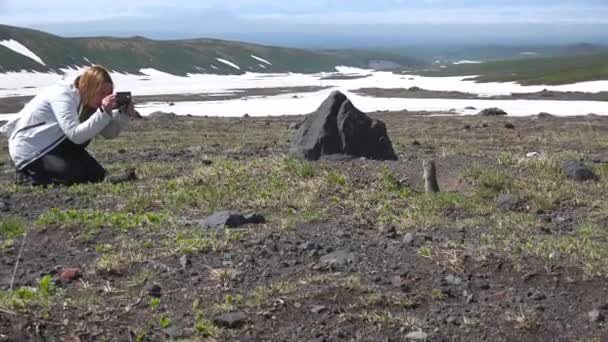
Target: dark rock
(415,239)
(508,202)
(162,115)
(414,89)
(578,171)
(231,320)
(310,246)
(390,231)
(231,219)
(509,126)
(470,108)
(492,112)
(337,127)
(295,125)
(4,206)
(538,296)
(155,291)
(467,127)
(337,260)
(127,176)
(317,309)
(415,143)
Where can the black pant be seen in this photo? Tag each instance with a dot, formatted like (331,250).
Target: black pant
(66,164)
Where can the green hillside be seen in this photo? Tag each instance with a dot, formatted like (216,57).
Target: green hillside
(550,70)
(177,56)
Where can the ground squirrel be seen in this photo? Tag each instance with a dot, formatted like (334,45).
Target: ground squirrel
(430,176)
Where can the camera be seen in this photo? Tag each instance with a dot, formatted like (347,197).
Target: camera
(122,99)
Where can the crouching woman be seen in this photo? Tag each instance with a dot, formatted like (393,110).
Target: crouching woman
(48,140)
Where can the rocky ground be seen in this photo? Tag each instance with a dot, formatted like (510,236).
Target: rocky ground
(349,250)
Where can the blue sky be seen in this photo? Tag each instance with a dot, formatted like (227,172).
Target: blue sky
(543,19)
(29,12)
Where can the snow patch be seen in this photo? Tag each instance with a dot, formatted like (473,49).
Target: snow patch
(21,49)
(262,66)
(467,62)
(228,63)
(261,59)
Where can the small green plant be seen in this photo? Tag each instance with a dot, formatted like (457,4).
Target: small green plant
(154,303)
(336,178)
(425,252)
(11,227)
(141,336)
(164,322)
(205,327)
(46,286)
(437,294)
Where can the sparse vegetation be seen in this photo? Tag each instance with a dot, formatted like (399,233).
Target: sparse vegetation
(127,237)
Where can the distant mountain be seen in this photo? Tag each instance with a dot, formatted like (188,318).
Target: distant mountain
(587,66)
(26,49)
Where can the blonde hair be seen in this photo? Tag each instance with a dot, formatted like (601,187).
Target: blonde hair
(91,82)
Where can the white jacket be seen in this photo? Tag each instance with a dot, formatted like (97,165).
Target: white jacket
(51,117)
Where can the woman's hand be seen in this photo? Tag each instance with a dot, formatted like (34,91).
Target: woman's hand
(131,110)
(108,103)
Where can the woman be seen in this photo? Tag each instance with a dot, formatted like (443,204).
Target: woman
(48,139)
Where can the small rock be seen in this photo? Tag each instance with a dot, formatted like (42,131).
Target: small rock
(185,261)
(492,112)
(338,260)
(470,108)
(538,296)
(452,280)
(416,143)
(408,239)
(509,126)
(416,336)
(69,274)
(578,171)
(470,299)
(231,320)
(174,332)
(595,316)
(390,231)
(317,309)
(467,127)
(452,320)
(310,246)
(294,125)
(155,291)
(508,202)
(415,239)
(231,219)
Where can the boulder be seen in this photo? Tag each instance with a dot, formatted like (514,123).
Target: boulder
(492,112)
(338,127)
(578,171)
(162,115)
